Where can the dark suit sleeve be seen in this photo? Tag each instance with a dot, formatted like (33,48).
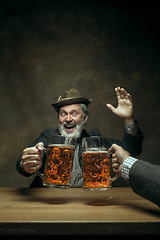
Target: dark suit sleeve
(44,137)
(131,143)
(144,179)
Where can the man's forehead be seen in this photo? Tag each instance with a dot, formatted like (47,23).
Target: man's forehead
(70,107)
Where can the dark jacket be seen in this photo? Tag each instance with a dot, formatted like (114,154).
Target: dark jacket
(144,179)
(133,144)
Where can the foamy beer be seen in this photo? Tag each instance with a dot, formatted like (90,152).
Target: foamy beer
(96,164)
(59,160)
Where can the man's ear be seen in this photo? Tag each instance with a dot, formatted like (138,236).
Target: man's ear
(85,119)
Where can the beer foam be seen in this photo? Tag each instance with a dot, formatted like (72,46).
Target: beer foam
(95,150)
(60,145)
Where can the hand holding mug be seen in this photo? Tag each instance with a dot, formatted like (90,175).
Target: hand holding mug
(32,158)
(118,157)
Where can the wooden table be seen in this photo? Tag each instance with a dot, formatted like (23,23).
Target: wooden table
(75,211)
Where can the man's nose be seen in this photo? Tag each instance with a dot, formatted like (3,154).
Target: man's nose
(68,118)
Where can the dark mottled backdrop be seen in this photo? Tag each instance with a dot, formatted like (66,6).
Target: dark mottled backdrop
(47,47)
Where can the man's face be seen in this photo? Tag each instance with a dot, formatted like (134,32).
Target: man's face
(71,120)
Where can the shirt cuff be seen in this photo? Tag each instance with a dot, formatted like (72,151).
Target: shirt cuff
(131,129)
(126,166)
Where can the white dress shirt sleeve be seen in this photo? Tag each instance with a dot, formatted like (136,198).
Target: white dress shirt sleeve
(126,166)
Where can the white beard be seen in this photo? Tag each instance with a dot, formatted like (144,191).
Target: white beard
(77,131)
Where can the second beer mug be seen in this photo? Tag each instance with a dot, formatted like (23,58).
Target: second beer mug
(96,164)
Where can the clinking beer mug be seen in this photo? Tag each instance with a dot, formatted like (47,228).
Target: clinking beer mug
(96,164)
(59,161)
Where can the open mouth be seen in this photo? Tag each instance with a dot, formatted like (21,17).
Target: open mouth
(69,127)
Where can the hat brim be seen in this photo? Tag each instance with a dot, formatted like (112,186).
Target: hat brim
(69,101)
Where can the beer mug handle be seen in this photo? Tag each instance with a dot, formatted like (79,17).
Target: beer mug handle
(38,173)
(44,149)
(117,174)
(114,178)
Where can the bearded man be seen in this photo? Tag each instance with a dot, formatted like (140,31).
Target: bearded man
(72,111)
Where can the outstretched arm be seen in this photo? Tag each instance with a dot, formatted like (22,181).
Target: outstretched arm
(133,136)
(144,177)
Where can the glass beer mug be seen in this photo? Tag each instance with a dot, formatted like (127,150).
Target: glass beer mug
(59,160)
(96,164)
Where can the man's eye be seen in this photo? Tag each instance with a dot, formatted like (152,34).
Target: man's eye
(63,114)
(74,114)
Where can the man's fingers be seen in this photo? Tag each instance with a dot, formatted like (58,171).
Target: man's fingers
(32,166)
(34,150)
(32,169)
(115,165)
(29,164)
(40,146)
(31,150)
(129,97)
(115,170)
(113,148)
(117,91)
(111,107)
(122,93)
(31,157)
(114,160)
